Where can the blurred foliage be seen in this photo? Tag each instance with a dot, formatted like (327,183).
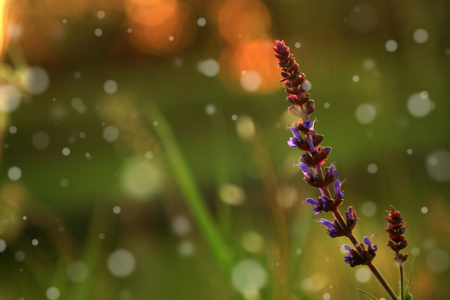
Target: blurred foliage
(94,207)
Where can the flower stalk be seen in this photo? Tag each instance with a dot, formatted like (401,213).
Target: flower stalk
(315,155)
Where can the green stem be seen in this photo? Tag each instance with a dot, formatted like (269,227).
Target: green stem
(402,292)
(382,280)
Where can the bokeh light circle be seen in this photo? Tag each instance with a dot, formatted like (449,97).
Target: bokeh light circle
(9,98)
(121,263)
(232,194)
(110,133)
(363,275)
(368,209)
(250,80)
(209,67)
(14,173)
(419,105)
(248,276)
(110,86)
(40,140)
(77,271)
(35,80)
(438,260)
(420,36)
(372,168)
(438,165)
(365,113)
(141,178)
(391,45)
(2,245)
(52,293)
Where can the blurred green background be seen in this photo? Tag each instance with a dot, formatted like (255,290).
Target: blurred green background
(144,147)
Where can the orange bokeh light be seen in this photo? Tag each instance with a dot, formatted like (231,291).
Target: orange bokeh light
(243,20)
(160,26)
(252,64)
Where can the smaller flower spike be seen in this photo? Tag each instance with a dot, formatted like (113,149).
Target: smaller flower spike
(396,229)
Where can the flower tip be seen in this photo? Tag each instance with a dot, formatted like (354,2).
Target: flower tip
(310,201)
(367,240)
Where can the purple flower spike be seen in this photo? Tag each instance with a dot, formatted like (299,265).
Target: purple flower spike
(337,189)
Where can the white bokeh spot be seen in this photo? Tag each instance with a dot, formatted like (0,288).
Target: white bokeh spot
(121,263)
(365,113)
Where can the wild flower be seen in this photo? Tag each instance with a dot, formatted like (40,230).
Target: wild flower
(311,164)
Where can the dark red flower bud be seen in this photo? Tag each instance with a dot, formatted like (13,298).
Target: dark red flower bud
(396,229)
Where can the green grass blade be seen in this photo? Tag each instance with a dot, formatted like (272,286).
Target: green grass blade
(367,294)
(185,180)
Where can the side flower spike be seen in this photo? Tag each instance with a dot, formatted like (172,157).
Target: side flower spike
(396,229)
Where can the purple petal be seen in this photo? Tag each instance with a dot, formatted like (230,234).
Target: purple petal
(295,132)
(311,201)
(337,186)
(304,168)
(326,223)
(347,247)
(367,241)
(292,142)
(350,212)
(307,123)
(333,170)
(337,189)
(327,150)
(311,145)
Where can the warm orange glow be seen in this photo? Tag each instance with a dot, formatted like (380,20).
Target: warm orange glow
(151,12)
(160,27)
(62,9)
(251,65)
(8,14)
(243,20)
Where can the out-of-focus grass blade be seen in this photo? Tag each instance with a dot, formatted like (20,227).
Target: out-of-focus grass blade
(367,294)
(221,169)
(304,221)
(195,201)
(91,253)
